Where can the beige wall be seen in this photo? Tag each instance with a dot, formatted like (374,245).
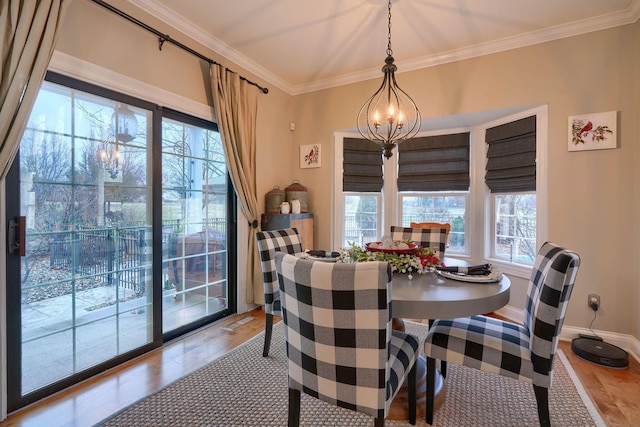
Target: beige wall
(593,196)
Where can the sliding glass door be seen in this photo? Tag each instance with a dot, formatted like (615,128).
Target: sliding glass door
(119,216)
(84,193)
(194,218)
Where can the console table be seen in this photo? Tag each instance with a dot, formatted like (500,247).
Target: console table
(303,222)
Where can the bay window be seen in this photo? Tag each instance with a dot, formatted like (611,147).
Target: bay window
(486,177)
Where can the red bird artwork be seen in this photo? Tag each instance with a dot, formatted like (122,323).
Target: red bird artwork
(585,128)
(313,158)
(582,131)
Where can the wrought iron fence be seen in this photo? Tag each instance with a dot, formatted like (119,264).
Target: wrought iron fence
(118,254)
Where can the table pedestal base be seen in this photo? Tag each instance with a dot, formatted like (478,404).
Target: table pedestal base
(400,406)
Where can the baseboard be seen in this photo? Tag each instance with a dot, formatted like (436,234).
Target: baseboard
(627,342)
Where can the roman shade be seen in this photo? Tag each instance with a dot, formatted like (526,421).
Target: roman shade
(362,166)
(511,156)
(434,163)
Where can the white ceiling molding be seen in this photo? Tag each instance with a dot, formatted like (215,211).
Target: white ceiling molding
(169,17)
(159,11)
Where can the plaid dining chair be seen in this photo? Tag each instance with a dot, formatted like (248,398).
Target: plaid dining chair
(429,236)
(269,242)
(434,238)
(444,225)
(340,345)
(523,352)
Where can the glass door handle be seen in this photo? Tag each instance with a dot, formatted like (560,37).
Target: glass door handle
(17,235)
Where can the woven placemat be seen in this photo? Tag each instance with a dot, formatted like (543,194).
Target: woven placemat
(244,389)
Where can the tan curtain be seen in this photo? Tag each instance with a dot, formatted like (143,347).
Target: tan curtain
(28,32)
(236,106)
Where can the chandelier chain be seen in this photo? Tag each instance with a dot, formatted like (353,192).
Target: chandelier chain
(389,51)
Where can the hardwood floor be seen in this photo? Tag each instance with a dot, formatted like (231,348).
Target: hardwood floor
(614,392)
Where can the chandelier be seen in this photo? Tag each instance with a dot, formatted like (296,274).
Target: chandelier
(125,128)
(389,116)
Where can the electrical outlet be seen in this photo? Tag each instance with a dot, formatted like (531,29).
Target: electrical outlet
(594,302)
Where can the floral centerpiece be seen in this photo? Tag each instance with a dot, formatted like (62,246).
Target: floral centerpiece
(418,261)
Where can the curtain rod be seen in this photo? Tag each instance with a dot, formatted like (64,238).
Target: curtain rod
(162,38)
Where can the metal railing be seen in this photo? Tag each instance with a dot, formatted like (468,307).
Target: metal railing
(119,255)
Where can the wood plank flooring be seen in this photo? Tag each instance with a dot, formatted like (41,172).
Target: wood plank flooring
(615,392)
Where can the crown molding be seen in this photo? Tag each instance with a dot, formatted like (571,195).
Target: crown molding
(159,11)
(196,33)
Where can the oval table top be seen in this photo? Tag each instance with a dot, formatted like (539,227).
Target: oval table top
(432,296)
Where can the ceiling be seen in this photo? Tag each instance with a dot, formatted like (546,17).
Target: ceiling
(305,45)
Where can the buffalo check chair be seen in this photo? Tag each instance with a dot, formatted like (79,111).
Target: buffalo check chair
(434,238)
(269,242)
(340,345)
(444,225)
(427,235)
(523,352)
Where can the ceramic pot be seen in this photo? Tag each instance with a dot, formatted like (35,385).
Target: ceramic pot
(273,199)
(297,191)
(295,206)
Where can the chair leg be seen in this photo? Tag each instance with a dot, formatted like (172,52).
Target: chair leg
(412,394)
(294,407)
(443,363)
(268,327)
(378,422)
(431,385)
(542,398)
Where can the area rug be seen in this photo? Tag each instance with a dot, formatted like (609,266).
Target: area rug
(244,389)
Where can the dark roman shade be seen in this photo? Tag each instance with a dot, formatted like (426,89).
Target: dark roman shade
(511,157)
(362,166)
(434,163)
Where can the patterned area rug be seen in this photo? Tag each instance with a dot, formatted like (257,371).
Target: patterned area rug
(244,389)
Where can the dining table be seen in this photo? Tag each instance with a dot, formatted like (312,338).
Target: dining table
(433,296)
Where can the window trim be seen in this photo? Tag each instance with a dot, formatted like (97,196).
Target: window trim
(487,214)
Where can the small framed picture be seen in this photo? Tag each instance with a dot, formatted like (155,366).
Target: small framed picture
(596,131)
(310,156)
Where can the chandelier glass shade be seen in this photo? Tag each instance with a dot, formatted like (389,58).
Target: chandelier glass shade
(125,128)
(389,116)
(125,123)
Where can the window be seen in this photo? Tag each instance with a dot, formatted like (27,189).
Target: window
(433,184)
(450,208)
(362,182)
(441,179)
(514,231)
(361,218)
(511,179)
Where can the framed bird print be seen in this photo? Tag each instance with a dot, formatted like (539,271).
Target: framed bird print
(310,156)
(596,131)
